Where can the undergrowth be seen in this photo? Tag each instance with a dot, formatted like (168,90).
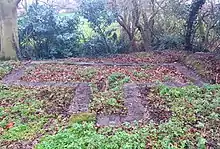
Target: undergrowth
(108,94)
(26,114)
(194,124)
(6,67)
(20,115)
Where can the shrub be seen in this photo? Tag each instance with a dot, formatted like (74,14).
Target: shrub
(168,42)
(44,34)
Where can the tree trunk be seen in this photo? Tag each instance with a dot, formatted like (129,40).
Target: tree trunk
(195,7)
(146,33)
(9,44)
(147,39)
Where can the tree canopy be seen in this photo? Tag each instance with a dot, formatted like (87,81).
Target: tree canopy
(47,29)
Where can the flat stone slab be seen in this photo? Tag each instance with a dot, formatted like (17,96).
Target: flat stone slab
(90,63)
(81,99)
(106,120)
(133,103)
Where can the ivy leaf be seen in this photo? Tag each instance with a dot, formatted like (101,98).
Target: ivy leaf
(201,143)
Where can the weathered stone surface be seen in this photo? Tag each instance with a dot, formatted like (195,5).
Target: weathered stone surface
(105,120)
(81,99)
(133,103)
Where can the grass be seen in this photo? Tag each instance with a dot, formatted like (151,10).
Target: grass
(82,117)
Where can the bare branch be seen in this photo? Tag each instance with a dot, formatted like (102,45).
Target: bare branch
(121,21)
(155,12)
(17,2)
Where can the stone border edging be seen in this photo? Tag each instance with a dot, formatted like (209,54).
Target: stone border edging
(81,100)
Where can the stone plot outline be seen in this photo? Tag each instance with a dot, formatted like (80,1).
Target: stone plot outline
(137,110)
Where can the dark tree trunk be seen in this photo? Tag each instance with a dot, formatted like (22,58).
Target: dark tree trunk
(195,7)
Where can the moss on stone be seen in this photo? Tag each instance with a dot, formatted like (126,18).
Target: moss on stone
(80,117)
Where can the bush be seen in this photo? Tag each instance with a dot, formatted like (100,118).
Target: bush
(44,34)
(95,47)
(93,31)
(168,42)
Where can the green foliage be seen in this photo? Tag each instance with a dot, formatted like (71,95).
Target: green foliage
(194,121)
(141,74)
(6,67)
(85,135)
(172,135)
(203,101)
(19,111)
(87,73)
(105,40)
(87,32)
(168,42)
(24,131)
(96,13)
(201,143)
(113,102)
(117,80)
(194,106)
(45,34)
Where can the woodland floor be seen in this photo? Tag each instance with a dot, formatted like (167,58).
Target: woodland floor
(140,100)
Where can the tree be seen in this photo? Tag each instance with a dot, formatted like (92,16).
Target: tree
(208,26)
(100,19)
(138,16)
(127,17)
(145,23)
(9,44)
(195,7)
